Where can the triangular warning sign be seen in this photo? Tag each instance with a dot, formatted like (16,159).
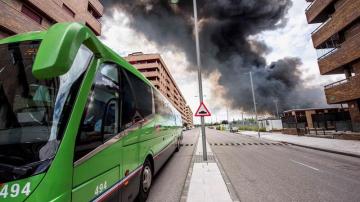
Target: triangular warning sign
(202,111)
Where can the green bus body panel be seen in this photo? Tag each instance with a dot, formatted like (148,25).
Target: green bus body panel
(26,187)
(63,181)
(96,186)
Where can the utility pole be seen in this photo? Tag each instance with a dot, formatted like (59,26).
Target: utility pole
(198,60)
(276,106)
(242,118)
(227,116)
(253,94)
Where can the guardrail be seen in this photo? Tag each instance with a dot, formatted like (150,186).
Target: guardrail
(337,83)
(322,25)
(326,52)
(309,6)
(343,81)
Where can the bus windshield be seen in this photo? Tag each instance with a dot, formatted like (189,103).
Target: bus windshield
(33,113)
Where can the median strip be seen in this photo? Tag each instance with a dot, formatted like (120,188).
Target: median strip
(207,183)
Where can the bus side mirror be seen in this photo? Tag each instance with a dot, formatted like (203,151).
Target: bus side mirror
(58,49)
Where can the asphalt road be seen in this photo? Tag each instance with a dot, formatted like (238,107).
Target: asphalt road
(169,182)
(275,172)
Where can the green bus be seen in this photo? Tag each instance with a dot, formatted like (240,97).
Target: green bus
(77,122)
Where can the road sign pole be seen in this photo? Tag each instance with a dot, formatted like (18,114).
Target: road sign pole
(199,79)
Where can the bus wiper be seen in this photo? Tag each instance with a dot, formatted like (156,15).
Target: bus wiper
(22,170)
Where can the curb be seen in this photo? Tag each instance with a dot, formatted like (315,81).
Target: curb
(324,150)
(229,185)
(310,147)
(185,188)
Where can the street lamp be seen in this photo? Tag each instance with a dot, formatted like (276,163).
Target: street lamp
(198,60)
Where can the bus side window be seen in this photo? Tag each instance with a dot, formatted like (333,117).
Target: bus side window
(100,118)
(143,95)
(128,105)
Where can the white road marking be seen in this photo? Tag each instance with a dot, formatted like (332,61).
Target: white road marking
(305,165)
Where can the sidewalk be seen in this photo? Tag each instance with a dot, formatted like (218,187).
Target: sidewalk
(347,147)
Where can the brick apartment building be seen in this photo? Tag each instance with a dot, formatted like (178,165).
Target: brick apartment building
(154,69)
(337,40)
(19,16)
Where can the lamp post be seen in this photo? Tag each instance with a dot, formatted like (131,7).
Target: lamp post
(198,60)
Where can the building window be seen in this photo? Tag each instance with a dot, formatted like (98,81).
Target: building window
(153,78)
(31,14)
(93,11)
(4,32)
(68,10)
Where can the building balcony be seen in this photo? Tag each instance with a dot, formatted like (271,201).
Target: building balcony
(319,10)
(151,74)
(155,82)
(343,17)
(343,91)
(147,65)
(58,14)
(335,58)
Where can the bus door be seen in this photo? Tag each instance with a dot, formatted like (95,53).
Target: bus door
(97,154)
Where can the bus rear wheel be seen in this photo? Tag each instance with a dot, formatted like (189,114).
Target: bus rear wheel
(145,181)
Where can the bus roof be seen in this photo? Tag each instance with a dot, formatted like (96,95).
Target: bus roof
(28,36)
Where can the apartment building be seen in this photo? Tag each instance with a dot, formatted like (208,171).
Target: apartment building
(337,41)
(189,116)
(19,16)
(154,69)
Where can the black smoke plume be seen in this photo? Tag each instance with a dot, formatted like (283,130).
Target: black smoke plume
(227,46)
